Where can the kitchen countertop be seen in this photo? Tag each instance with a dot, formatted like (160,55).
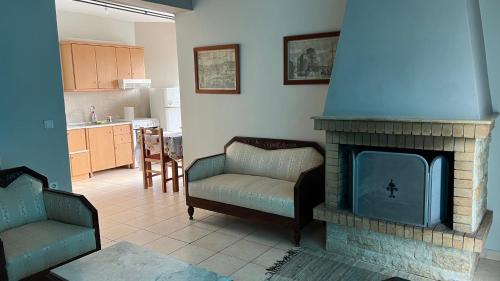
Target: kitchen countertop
(89,125)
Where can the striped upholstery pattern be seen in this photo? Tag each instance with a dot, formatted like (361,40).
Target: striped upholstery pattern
(207,167)
(67,209)
(21,202)
(253,192)
(37,246)
(282,164)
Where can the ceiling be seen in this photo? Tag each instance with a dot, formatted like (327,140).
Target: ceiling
(89,9)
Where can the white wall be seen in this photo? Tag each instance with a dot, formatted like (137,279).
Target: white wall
(81,26)
(265,107)
(158,40)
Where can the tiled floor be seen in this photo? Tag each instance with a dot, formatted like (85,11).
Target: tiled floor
(220,243)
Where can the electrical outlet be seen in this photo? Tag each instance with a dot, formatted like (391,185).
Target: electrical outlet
(54,185)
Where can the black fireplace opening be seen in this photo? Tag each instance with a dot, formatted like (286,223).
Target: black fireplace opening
(397,185)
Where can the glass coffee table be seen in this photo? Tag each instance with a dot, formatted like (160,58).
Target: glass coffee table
(125,261)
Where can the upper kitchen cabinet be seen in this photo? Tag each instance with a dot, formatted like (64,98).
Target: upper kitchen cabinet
(123,63)
(107,74)
(137,59)
(84,66)
(89,66)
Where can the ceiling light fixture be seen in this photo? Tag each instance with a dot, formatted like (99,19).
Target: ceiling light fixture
(127,8)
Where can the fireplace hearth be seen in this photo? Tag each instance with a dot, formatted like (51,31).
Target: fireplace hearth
(407,194)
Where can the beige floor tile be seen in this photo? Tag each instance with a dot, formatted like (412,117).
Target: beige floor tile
(207,225)
(239,229)
(223,264)
(165,245)
(140,237)
(250,272)
(266,237)
(166,227)
(145,222)
(118,231)
(216,241)
(245,250)
(270,257)
(487,270)
(189,234)
(192,254)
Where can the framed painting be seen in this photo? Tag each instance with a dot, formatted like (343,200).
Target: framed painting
(308,59)
(217,69)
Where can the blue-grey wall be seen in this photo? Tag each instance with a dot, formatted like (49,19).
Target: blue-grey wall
(31,91)
(490,11)
(405,58)
(183,4)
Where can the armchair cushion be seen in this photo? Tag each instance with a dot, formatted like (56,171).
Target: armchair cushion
(21,202)
(282,164)
(253,192)
(34,247)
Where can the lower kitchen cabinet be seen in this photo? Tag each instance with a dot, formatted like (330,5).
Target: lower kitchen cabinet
(123,154)
(80,165)
(99,148)
(102,148)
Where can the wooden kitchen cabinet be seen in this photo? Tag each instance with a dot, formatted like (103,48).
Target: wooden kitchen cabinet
(79,157)
(102,148)
(123,63)
(137,62)
(77,140)
(123,154)
(80,165)
(107,75)
(90,66)
(99,148)
(84,66)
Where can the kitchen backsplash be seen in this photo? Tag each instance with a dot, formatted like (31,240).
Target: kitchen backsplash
(78,104)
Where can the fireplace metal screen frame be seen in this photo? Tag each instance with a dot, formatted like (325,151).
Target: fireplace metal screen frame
(427,187)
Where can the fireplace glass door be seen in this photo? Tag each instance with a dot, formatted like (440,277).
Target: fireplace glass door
(391,186)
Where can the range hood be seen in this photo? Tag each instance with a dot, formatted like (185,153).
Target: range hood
(134,83)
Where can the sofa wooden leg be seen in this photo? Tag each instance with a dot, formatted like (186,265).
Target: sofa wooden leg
(190,212)
(296,237)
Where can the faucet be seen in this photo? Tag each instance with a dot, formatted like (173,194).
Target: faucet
(93,115)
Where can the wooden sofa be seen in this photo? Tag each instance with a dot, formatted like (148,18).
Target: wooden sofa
(270,180)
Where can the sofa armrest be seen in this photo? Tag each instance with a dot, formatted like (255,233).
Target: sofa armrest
(206,167)
(3,263)
(70,208)
(308,193)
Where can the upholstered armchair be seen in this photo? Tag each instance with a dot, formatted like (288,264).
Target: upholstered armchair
(41,228)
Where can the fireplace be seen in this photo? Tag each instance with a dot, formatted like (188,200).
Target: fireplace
(399,187)
(406,194)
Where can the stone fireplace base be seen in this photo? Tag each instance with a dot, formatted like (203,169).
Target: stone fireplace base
(415,257)
(439,252)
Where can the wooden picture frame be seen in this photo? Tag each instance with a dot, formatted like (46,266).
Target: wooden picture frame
(217,69)
(298,68)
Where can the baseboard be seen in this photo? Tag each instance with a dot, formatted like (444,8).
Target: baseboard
(491,255)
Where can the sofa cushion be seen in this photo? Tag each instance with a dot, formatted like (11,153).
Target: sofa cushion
(282,164)
(253,192)
(21,202)
(37,246)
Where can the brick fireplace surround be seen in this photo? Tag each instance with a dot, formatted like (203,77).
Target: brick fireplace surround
(438,253)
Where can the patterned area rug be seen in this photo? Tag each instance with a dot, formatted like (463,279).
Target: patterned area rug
(308,265)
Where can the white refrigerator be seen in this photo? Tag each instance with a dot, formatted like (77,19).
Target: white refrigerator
(165,105)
